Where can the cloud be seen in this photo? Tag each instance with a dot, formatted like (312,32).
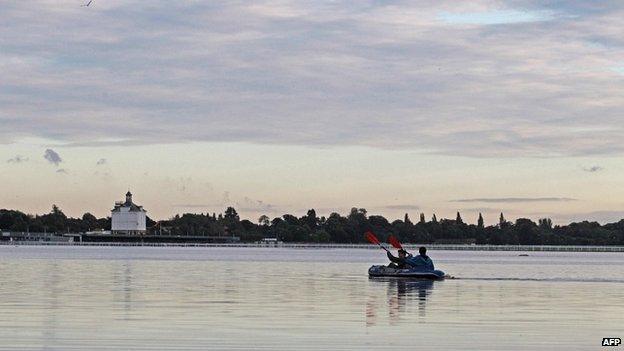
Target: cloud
(17,159)
(593,169)
(52,157)
(402,207)
(495,17)
(103,175)
(437,77)
(101,162)
(193,205)
(517,199)
(251,205)
(481,209)
(602,217)
(245,205)
(225,199)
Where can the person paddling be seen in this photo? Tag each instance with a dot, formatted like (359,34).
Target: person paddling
(422,260)
(399,262)
(407,261)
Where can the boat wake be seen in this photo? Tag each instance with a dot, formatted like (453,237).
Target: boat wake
(566,280)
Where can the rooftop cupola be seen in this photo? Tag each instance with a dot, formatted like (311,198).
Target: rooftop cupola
(128,197)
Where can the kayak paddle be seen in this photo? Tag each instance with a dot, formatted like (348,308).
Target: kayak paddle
(395,242)
(373,239)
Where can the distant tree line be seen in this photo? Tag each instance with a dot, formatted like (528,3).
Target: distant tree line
(337,229)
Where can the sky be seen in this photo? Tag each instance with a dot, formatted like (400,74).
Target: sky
(276,107)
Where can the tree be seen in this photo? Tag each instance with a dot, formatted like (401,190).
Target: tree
(357,214)
(55,221)
(264,220)
(89,221)
(231,214)
(480,237)
(320,236)
(290,219)
(526,231)
(57,211)
(310,219)
(87,217)
(337,228)
(501,221)
(407,219)
(545,223)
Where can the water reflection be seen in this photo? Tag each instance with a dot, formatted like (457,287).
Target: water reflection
(403,295)
(195,300)
(123,280)
(52,287)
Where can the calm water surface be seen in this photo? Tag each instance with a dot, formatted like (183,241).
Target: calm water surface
(134,298)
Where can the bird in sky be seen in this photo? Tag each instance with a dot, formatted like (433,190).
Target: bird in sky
(87,4)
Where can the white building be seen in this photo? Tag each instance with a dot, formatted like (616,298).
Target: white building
(128,218)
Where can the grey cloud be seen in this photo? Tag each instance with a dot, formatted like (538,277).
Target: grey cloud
(193,205)
(482,209)
(17,159)
(592,169)
(251,205)
(225,198)
(601,217)
(52,157)
(402,207)
(517,199)
(317,73)
(185,185)
(245,205)
(103,175)
(101,161)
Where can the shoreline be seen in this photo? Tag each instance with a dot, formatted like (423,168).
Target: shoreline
(561,248)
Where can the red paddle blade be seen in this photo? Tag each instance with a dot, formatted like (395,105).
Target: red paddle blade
(395,242)
(372,238)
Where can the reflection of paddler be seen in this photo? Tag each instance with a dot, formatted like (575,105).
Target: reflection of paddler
(407,291)
(407,288)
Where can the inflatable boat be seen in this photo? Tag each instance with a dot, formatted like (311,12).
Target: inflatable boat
(385,271)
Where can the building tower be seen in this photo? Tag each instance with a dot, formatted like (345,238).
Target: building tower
(128,218)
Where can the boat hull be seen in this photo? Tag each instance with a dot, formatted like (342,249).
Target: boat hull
(385,271)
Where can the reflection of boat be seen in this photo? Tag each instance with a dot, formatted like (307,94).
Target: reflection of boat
(404,294)
(420,288)
(385,271)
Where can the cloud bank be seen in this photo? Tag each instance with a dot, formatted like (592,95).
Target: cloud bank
(402,207)
(593,169)
(517,199)
(441,77)
(17,159)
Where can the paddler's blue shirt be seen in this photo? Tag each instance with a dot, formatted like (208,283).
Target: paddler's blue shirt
(420,262)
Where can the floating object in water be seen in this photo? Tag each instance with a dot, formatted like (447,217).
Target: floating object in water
(385,271)
(523,255)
